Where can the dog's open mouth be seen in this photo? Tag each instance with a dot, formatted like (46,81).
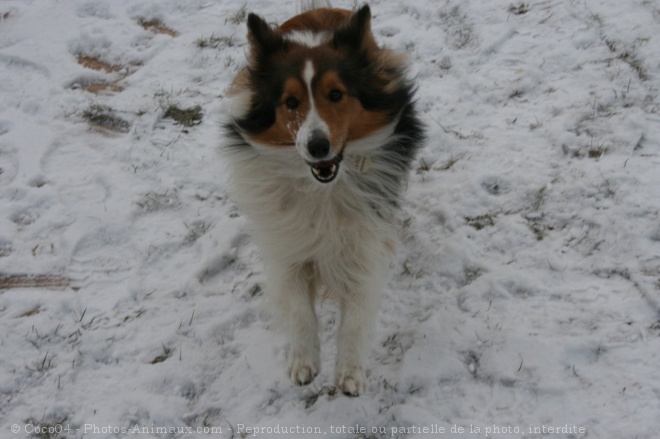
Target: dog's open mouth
(326,171)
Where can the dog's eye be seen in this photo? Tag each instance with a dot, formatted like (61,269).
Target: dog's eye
(335,95)
(292,103)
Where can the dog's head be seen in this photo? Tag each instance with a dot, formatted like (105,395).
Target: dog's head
(318,83)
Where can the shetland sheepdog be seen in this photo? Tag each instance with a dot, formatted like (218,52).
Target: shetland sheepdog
(321,133)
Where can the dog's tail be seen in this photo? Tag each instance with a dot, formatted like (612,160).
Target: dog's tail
(308,5)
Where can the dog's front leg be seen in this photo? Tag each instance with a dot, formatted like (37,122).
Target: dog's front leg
(294,289)
(358,311)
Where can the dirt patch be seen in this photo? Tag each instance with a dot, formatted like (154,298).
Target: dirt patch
(101,87)
(11,281)
(96,64)
(158,27)
(32,311)
(104,117)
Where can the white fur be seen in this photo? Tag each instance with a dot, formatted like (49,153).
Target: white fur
(308,38)
(313,121)
(314,234)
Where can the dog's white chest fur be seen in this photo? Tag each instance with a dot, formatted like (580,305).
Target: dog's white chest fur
(297,220)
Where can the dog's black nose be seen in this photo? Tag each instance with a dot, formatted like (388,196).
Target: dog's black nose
(319,145)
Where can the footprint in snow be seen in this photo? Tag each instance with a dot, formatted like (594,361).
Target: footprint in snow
(105,255)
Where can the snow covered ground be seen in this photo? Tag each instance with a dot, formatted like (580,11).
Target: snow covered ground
(525,297)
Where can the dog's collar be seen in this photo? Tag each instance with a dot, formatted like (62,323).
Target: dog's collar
(361,163)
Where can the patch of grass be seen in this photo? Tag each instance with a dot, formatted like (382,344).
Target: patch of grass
(229,61)
(152,202)
(611,44)
(655,327)
(44,364)
(196,230)
(310,400)
(480,222)
(596,151)
(635,63)
(239,16)
(214,42)
(450,162)
(630,58)
(167,353)
(458,134)
(538,229)
(518,9)
(104,117)
(136,315)
(424,166)
(395,350)
(539,198)
(188,117)
(592,151)
(49,428)
(256,290)
(408,270)
(517,93)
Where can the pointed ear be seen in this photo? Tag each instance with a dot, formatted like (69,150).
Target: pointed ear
(261,36)
(356,33)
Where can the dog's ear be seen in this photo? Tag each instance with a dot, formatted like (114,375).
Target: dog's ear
(262,37)
(356,33)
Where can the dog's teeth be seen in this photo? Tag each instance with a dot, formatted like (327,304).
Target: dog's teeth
(326,174)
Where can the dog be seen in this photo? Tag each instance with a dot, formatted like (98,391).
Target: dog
(321,134)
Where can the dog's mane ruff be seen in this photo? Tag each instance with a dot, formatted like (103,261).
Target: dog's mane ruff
(298,221)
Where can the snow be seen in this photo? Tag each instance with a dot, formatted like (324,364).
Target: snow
(525,293)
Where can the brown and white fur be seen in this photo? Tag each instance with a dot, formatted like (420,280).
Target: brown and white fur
(321,134)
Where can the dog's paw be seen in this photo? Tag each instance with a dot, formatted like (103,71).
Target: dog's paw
(303,367)
(352,381)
